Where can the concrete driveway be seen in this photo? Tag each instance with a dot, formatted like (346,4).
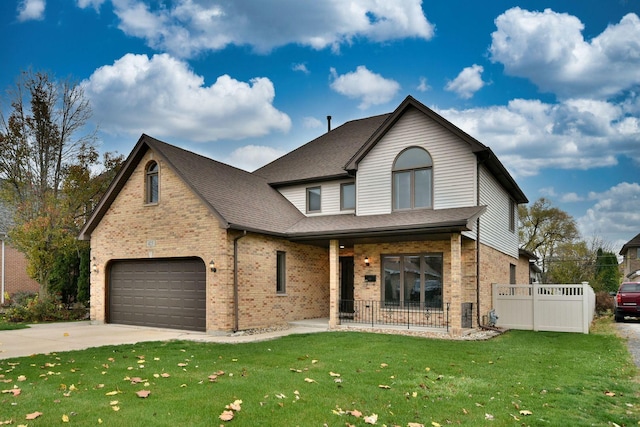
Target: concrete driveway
(55,337)
(630,330)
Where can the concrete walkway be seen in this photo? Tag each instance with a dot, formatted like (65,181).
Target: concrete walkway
(54,337)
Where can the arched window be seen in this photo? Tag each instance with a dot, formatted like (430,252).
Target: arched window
(151,189)
(413,180)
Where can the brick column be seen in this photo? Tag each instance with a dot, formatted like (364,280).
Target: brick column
(334,283)
(455,286)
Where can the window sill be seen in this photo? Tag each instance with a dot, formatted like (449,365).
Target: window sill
(281,294)
(151,204)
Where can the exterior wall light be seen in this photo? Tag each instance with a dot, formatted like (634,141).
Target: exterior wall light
(94,266)
(366,261)
(212,266)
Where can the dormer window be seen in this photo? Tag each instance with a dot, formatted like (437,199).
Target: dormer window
(151,183)
(412,180)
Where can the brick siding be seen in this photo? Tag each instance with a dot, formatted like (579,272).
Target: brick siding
(181,226)
(16,278)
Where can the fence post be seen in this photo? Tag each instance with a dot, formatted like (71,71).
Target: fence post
(586,316)
(534,300)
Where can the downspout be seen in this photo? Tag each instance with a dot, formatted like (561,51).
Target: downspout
(236,310)
(478,317)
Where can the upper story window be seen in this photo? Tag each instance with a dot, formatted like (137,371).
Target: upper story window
(151,183)
(313,199)
(413,179)
(512,215)
(348,196)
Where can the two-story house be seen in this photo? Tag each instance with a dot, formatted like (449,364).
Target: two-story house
(631,259)
(396,216)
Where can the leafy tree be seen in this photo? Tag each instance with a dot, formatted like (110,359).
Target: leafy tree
(607,273)
(46,161)
(573,263)
(543,228)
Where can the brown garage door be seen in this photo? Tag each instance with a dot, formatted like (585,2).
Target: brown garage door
(165,293)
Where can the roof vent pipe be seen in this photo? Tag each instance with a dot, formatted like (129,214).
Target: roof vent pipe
(328,123)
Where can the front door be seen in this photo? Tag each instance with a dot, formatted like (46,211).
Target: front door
(346,286)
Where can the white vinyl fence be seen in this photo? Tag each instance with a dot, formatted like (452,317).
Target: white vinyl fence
(561,308)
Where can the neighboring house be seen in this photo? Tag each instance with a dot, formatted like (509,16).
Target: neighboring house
(535,273)
(13,263)
(631,259)
(403,209)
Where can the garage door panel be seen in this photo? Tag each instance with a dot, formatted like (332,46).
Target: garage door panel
(167,293)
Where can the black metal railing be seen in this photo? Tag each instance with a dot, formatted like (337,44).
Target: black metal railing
(412,314)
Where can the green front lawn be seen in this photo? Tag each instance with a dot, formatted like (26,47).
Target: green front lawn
(519,378)
(6,326)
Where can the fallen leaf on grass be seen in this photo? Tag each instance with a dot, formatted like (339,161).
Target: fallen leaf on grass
(65,418)
(419,425)
(115,408)
(143,393)
(386,387)
(226,416)
(526,412)
(355,413)
(112,393)
(309,380)
(333,374)
(33,415)
(22,378)
(235,406)
(14,391)
(113,403)
(609,393)
(371,419)
(165,375)
(488,416)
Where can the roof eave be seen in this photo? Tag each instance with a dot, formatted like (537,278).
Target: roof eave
(445,227)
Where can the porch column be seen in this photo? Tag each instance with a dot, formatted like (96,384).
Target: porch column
(455,313)
(334,283)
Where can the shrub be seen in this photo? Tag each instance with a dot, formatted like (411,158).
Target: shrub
(604,302)
(47,309)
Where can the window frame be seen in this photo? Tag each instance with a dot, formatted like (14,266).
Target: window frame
(396,171)
(513,276)
(151,178)
(512,215)
(308,201)
(411,305)
(342,186)
(281,272)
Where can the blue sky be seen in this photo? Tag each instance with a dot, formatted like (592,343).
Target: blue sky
(551,86)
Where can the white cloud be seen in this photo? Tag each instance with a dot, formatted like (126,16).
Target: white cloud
(31,10)
(161,96)
(311,122)
(185,28)
(468,82)
(90,3)
(549,49)
(529,135)
(615,213)
(251,157)
(300,67)
(423,86)
(571,198)
(370,88)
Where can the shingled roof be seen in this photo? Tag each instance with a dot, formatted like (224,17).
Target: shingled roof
(633,243)
(239,199)
(250,201)
(323,158)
